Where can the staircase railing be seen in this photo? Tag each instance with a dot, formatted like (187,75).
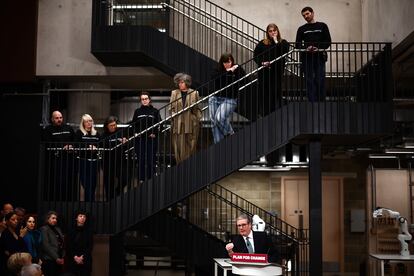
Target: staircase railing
(201,25)
(357,98)
(215,210)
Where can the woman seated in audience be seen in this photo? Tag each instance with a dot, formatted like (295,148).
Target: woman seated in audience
(16,261)
(32,238)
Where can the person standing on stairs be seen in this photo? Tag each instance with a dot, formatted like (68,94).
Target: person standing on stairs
(222,105)
(270,76)
(185,127)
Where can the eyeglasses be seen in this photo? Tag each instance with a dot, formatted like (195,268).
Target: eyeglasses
(242,225)
(144,99)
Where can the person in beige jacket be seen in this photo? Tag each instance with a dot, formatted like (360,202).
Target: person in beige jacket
(185,126)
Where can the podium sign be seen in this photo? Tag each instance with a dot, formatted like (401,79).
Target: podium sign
(249,258)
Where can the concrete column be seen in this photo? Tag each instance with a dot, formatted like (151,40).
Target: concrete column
(91,98)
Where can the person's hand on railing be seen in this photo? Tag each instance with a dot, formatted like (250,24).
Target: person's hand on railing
(92,147)
(266,63)
(123,140)
(68,147)
(312,49)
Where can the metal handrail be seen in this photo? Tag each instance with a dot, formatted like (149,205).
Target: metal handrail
(208,27)
(244,35)
(258,208)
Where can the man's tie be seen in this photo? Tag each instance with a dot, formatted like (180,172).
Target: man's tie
(249,245)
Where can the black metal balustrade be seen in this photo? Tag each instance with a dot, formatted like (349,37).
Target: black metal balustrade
(215,210)
(357,104)
(176,35)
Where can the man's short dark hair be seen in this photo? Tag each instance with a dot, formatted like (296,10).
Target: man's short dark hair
(306,9)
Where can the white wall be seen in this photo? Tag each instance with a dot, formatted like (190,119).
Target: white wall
(64,39)
(64,48)
(385,20)
(343,17)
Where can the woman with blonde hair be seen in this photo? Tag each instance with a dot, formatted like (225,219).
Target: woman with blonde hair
(17,260)
(88,137)
(270,77)
(186,125)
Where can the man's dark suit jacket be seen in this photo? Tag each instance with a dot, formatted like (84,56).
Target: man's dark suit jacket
(262,245)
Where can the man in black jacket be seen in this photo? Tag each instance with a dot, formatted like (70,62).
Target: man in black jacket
(60,165)
(249,241)
(313,37)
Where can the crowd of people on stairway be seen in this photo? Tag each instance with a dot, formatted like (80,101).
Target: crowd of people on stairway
(29,247)
(78,161)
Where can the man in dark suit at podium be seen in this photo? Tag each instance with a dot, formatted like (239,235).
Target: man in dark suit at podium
(249,241)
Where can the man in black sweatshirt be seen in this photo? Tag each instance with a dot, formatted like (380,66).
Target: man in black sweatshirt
(58,138)
(313,37)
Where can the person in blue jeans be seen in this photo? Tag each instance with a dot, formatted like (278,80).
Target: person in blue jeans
(222,105)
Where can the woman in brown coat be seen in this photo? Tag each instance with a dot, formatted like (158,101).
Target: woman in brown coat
(186,125)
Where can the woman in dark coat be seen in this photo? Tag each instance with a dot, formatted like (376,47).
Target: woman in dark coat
(114,163)
(10,241)
(146,144)
(80,245)
(270,77)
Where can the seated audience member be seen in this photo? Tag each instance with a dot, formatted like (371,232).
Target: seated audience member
(7,208)
(16,261)
(52,249)
(31,270)
(21,213)
(249,241)
(32,238)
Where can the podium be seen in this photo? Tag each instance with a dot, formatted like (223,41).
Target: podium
(247,268)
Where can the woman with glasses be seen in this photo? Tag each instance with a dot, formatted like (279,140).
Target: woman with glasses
(145,117)
(185,127)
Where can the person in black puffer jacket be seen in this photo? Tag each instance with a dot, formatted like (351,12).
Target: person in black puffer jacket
(146,144)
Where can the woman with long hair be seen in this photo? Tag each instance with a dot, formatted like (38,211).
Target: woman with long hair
(222,105)
(88,137)
(32,238)
(270,77)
